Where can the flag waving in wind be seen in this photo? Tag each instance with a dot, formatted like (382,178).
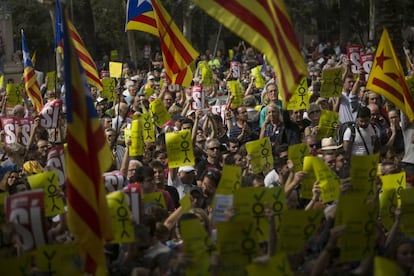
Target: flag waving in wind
(88,157)
(30,81)
(387,77)
(86,61)
(264,24)
(150,16)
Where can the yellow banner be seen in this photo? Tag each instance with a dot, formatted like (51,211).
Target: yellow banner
(49,183)
(328,124)
(156,197)
(123,230)
(307,183)
(230,180)
(386,267)
(115,69)
(277,265)
(59,259)
(297,229)
(206,76)
(109,89)
(137,144)
(179,149)
(296,153)
(328,181)
(331,84)
(148,130)
(198,245)
(259,82)
(251,203)
(14,94)
(236,90)
(358,240)
(159,112)
(300,97)
(407,210)
(261,153)
(51,80)
(237,246)
(364,174)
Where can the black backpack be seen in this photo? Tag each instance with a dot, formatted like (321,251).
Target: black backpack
(341,130)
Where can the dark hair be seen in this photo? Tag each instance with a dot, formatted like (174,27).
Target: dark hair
(213,174)
(142,172)
(157,164)
(364,112)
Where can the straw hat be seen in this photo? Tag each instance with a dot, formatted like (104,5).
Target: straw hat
(329,144)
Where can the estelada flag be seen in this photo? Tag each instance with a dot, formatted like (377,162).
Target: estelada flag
(387,77)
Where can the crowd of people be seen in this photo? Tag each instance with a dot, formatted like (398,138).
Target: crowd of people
(369,125)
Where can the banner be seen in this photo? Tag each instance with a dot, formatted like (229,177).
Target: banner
(300,97)
(297,153)
(11,125)
(261,153)
(56,162)
(114,181)
(109,89)
(331,84)
(14,94)
(49,115)
(159,112)
(179,149)
(122,227)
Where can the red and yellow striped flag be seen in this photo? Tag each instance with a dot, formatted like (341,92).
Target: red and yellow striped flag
(88,157)
(177,52)
(265,24)
(86,61)
(30,82)
(387,77)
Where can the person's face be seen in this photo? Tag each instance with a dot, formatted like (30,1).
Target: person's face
(405,255)
(213,149)
(348,83)
(313,145)
(159,176)
(197,200)
(168,101)
(148,185)
(43,147)
(314,115)
(364,122)
(239,161)
(330,161)
(11,178)
(132,167)
(373,98)
(297,115)
(186,126)
(340,159)
(272,93)
(107,123)
(208,186)
(187,177)
(110,136)
(233,147)
(393,117)
(273,113)
(375,115)
(200,138)
(161,158)
(242,114)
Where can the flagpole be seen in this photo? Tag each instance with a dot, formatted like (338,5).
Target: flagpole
(217,41)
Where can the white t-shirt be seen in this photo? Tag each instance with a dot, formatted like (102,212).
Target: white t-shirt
(369,135)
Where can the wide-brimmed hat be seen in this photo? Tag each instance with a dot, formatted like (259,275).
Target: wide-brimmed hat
(330,144)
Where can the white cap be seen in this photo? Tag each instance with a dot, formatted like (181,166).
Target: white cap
(186,169)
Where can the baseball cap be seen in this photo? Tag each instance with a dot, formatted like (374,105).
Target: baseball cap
(186,169)
(151,77)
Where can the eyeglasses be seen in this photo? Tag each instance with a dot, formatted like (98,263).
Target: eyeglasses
(314,145)
(214,148)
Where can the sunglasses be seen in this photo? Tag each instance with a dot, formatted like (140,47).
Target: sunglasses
(214,148)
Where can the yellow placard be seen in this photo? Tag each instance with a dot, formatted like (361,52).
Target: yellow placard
(206,76)
(236,90)
(1,81)
(49,183)
(185,202)
(307,183)
(237,246)
(198,245)
(156,197)
(277,265)
(148,130)
(115,69)
(148,90)
(114,56)
(137,143)
(328,124)
(407,210)
(159,113)
(231,53)
(386,267)
(17,266)
(331,84)
(328,181)
(59,259)
(261,154)
(297,229)
(358,240)
(123,230)
(396,181)
(251,202)
(300,97)
(364,173)
(109,89)
(51,80)
(390,197)
(179,149)
(259,82)
(296,153)
(230,180)
(14,94)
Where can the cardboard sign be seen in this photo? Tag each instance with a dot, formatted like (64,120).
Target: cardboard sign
(12,124)
(49,115)
(197,97)
(26,210)
(148,130)
(331,85)
(108,89)
(14,94)
(235,69)
(56,161)
(179,149)
(159,113)
(114,181)
(297,153)
(328,123)
(115,69)
(354,55)
(123,230)
(300,97)
(261,152)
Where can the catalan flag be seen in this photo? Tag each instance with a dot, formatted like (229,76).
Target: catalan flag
(150,16)
(58,28)
(30,81)
(387,77)
(265,24)
(88,157)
